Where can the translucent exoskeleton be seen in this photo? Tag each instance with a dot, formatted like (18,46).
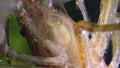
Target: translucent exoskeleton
(56,41)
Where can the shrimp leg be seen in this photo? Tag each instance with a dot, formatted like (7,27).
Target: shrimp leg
(92,27)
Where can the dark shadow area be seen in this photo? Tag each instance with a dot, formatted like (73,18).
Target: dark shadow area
(71,8)
(108,55)
(93,8)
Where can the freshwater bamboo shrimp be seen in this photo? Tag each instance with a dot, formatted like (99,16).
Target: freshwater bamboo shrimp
(56,40)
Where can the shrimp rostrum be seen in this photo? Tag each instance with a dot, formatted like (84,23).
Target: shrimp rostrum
(56,41)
